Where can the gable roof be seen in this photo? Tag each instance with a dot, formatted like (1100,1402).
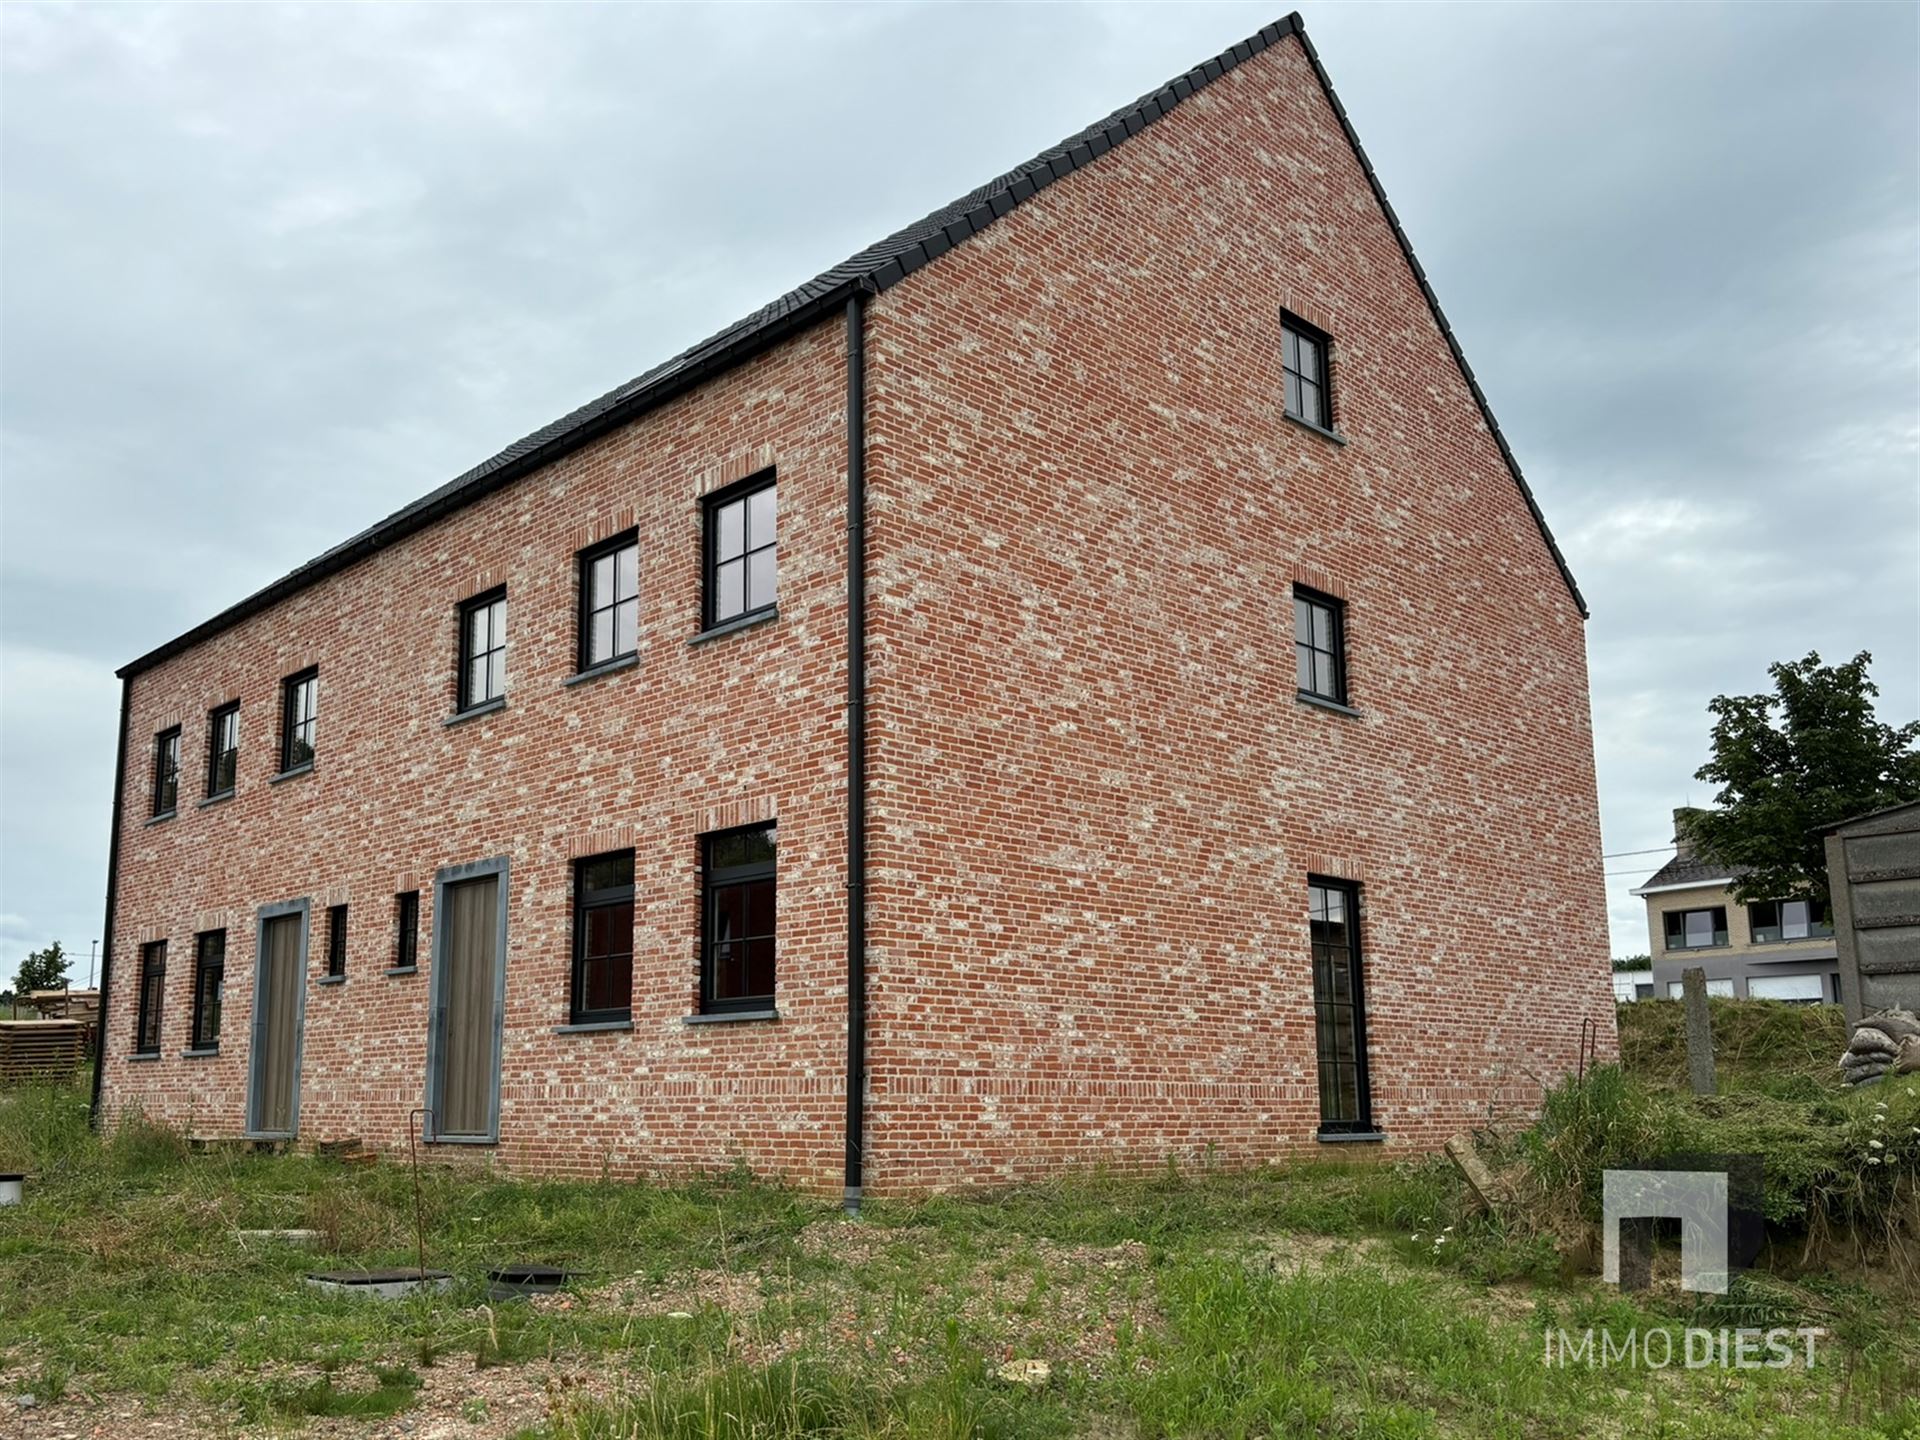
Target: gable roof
(1686,871)
(872,270)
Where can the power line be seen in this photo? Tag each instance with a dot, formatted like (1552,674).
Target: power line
(1623,854)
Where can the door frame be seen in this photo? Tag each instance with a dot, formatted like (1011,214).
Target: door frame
(302,907)
(451,875)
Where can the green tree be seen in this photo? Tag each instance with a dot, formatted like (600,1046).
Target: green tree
(1790,763)
(42,970)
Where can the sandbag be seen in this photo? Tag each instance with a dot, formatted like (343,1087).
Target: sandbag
(1856,1066)
(1868,1040)
(1909,1061)
(1897,1024)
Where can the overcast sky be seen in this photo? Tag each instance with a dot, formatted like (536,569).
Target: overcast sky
(266,274)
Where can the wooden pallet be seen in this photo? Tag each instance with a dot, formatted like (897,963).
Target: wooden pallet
(40,1050)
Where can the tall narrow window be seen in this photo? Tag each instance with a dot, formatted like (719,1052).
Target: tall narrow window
(742,550)
(223,750)
(483,649)
(1333,914)
(1320,645)
(166,771)
(153,984)
(406,930)
(209,975)
(610,601)
(336,941)
(1303,363)
(603,938)
(299,706)
(738,955)
(1696,929)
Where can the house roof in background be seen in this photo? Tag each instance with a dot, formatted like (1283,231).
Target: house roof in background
(870,271)
(1684,871)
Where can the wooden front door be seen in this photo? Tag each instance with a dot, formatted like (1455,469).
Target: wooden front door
(467,1055)
(278,993)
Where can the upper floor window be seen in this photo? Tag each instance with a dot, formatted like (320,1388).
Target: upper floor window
(1696,929)
(1303,361)
(610,601)
(737,956)
(153,984)
(1778,920)
(742,550)
(299,703)
(603,938)
(209,977)
(223,750)
(483,649)
(166,771)
(1320,645)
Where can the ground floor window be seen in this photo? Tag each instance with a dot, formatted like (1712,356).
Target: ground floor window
(1676,988)
(209,975)
(153,981)
(1339,1007)
(603,938)
(737,953)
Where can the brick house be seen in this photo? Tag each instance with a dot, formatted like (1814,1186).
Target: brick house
(1083,681)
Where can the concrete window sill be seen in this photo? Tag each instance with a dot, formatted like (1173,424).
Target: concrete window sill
(1322,431)
(400,970)
(161,818)
(1307,697)
(1351,1137)
(729,1017)
(611,667)
(140,1056)
(729,627)
(476,712)
(204,1053)
(212,800)
(593,1027)
(331,980)
(293,774)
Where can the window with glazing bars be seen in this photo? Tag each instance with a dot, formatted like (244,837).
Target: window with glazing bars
(299,715)
(209,975)
(1340,1021)
(603,938)
(223,750)
(166,771)
(742,550)
(737,966)
(610,601)
(1303,362)
(153,982)
(483,649)
(1320,645)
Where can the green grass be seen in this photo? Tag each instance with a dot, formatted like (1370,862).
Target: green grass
(1286,1301)
(1760,1047)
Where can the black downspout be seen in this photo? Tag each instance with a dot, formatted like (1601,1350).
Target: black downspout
(856,746)
(113,891)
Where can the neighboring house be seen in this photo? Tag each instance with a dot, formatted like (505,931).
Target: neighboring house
(1067,686)
(1873,874)
(1773,950)
(1630,985)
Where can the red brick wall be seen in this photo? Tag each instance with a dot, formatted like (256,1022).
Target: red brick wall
(693,738)
(1095,800)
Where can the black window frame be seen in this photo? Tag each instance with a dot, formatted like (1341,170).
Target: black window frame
(1336,609)
(1819,921)
(626,540)
(406,930)
(1669,929)
(336,942)
(166,772)
(715,879)
(1295,332)
(152,998)
(209,972)
(305,731)
(495,654)
(712,505)
(585,902)
(218,720)
(1362,1121)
